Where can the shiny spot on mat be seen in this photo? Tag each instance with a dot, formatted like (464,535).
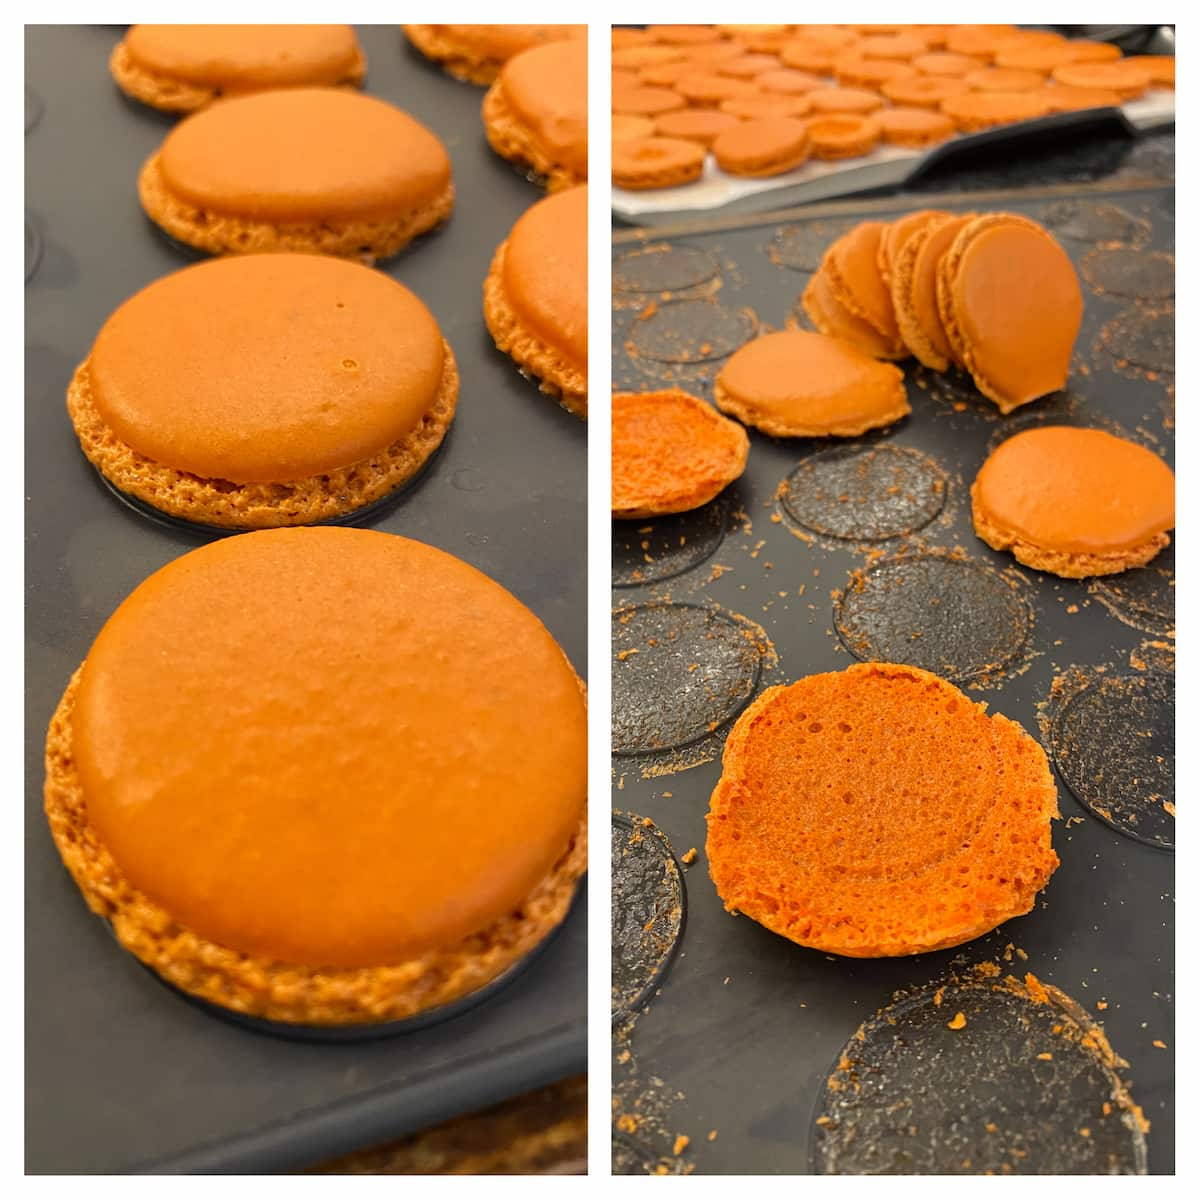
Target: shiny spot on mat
(953,616)
(1143,340)
(979,1077)
(801,247)
(649,904)
(1135,274)
(1112,738)
(1143,599)
(662,268)
(690,331)
(680,672)
(864,493)
(651,551)
(1095,223)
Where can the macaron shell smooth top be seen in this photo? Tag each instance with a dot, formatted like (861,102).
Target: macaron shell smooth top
(329,747)
(896,235)
(812,383)
(270,367)
(1017,307)
(545,272)
(1074,490)
(302,155)
(824,309)
(245,57)
(546,87)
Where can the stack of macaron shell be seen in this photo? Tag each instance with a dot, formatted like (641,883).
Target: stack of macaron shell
(182,68)
(477,53)
(535,113)
(259,777)
(991,293)
(319,170)
(671,452)
(535,299)
(206,398)
(854,89)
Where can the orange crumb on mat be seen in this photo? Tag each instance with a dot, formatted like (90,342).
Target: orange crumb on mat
(958,1021)
(681,1144)
(689,857)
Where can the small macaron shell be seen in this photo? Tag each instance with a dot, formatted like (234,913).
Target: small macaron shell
(664,74)
(546,87)
(639,56)
(1076,491)
(762,146)
(545,272)
(925,91)
(1159,67)
(1127,79)
(245,58)
(845,100)
(852,71)
(898,46)
(944,65)
(1068,99)
(646,101)
(1008,295)
(655,162)
(684,35)
(1004,79)
(801,384)
(788,82)
(708,89)
(914,127)
(835,136)
(972,111)
(304,154)
(769,104)
(700,125)
(747,66)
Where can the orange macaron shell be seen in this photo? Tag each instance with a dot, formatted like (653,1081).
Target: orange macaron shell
(1075,492)
(1011,305)
(304,154)
(246,57)
(329,747)
(879,811)
(546,90)
(545,273)
(671,452)
(188,372)
(800,384)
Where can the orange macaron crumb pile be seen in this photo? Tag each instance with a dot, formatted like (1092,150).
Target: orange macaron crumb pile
(991,293)
(914,86)
(879,811)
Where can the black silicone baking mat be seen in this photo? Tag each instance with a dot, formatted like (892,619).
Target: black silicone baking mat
(738,1033)
(120,1074)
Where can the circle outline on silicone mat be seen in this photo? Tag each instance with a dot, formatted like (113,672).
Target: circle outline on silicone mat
(991,672)
(863,449)
(659,973)
(721,507)
(734,622)
(1059,716)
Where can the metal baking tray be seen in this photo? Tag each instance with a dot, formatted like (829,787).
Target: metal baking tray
(121,1074)
(739,1029)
